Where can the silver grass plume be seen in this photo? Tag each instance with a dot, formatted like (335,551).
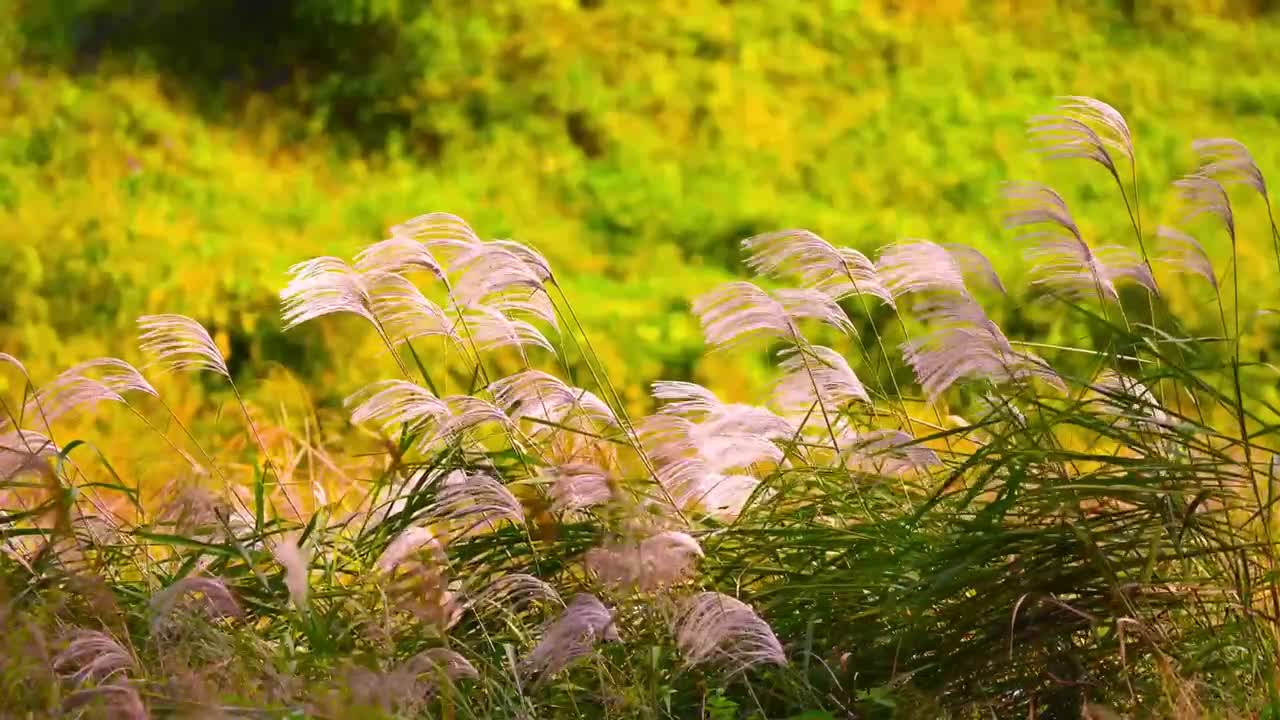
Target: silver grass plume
(465,503)
(693,486)
(1229,161)
(92,655)
(180,344)
(1206,196)
(963,344)
(489,328)
(571,636)
(410,541)
(694,402)
(816,374)
(325,286)
(389,404)
(465,414)
(658,561)
(86,384)
(915,266)
(539,396)
(24,451)
(973,262)
(397,255)
(7,359)
(719,443)
(513,592)
(1131,401)
(406,314)
(684,398)
(817,264)
(1058,253)
(422,587)
(493,275)
(210,595)
(888,453)
(693,421)
(1186,255)
(440,663)
(295,560)
(121,700)
(1084,128)
(436,229)
(713,628)
(578,486)
(736,312)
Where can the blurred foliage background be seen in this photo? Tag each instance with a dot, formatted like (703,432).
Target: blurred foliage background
(179,156)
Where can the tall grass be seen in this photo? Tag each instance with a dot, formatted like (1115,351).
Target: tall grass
(945,525)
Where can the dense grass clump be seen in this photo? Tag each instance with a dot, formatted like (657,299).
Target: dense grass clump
(926,517)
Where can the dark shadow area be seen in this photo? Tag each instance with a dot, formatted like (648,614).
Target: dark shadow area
(312,56)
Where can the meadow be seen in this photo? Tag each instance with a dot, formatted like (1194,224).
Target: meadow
(717,435)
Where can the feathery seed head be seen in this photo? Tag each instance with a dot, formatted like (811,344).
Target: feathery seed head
(410,541)
(1229,161)
(324,286)
(713,628)
(466,503)
(1084,128)
(571,636)
(816,374)
(180,344)
(1186,255)
(92,655)
(815,263)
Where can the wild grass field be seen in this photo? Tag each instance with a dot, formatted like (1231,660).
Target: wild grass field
(276,444)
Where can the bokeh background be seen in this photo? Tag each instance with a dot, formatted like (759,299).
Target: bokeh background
(179,156)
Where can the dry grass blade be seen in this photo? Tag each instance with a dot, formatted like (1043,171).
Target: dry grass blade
(180,344)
